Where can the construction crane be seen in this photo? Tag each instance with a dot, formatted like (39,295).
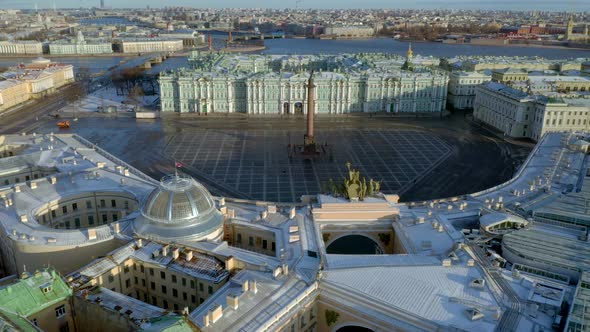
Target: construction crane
(297,3)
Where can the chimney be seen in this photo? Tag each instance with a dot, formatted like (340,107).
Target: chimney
(292,213)
(165,250)
(216,313)
(245,286)
(17,189)
(33,185)
(175,253)
(263,214)
(92,234)
(254,287)
(222,201)
(271,209)
(139,243)
(230,263)
(23,218)
(206,320)
(53,180)
(188,256)
(285,269)
(232,301)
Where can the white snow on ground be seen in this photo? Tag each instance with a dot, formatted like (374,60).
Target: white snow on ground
(105,97)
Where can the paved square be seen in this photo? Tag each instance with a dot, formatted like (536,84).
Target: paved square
(256,162)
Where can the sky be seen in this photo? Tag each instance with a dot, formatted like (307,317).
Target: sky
(553,5)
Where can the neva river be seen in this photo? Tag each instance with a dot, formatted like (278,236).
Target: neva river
(316,46)
(389,45)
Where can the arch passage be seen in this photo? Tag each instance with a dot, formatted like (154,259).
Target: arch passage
(354,245)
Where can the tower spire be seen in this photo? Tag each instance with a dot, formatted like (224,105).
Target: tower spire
(410,52)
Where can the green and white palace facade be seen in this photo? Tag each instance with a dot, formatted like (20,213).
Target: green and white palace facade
(276,84)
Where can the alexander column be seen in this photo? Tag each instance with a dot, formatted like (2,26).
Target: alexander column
(309,139)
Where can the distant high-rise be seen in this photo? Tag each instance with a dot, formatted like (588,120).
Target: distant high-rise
(101,3)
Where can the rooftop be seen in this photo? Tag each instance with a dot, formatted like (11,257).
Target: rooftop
(34,292)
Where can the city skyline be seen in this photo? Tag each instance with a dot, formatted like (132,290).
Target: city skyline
(543,5)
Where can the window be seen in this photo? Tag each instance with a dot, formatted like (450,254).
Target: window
(113,203)
(75,206)
(184,296)
(126,269)
(163,289)
(193,299)
(135,280)
(88,204)
(183,281)
(192,284)
(35,322)
(104,218)
(210,290)
(173,278)
(53,214)
(103,204)
(64,209)
(154,301)
(90,220)
(274,247)
(174,292)
(126,205)
(127,283)
(115,217)
(153,285)
(141,268)
(111,278)
(264,244)
(163,275)
(201,287)
(77,222)
(60,311)
(143,282)
(165,304)
(250,241)
(175,307)
(239,240)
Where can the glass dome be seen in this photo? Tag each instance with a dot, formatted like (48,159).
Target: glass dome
(178,199)
(179,208)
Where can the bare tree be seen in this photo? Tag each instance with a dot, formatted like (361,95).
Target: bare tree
(134,97)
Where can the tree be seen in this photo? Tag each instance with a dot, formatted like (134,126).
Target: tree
(135,95)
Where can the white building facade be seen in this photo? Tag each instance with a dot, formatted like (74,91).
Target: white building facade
(520,115)
(462,88)
(21,47)
(149,45)
(63,48)
(341,90)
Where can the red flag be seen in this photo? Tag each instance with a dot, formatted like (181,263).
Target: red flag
(178,164)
